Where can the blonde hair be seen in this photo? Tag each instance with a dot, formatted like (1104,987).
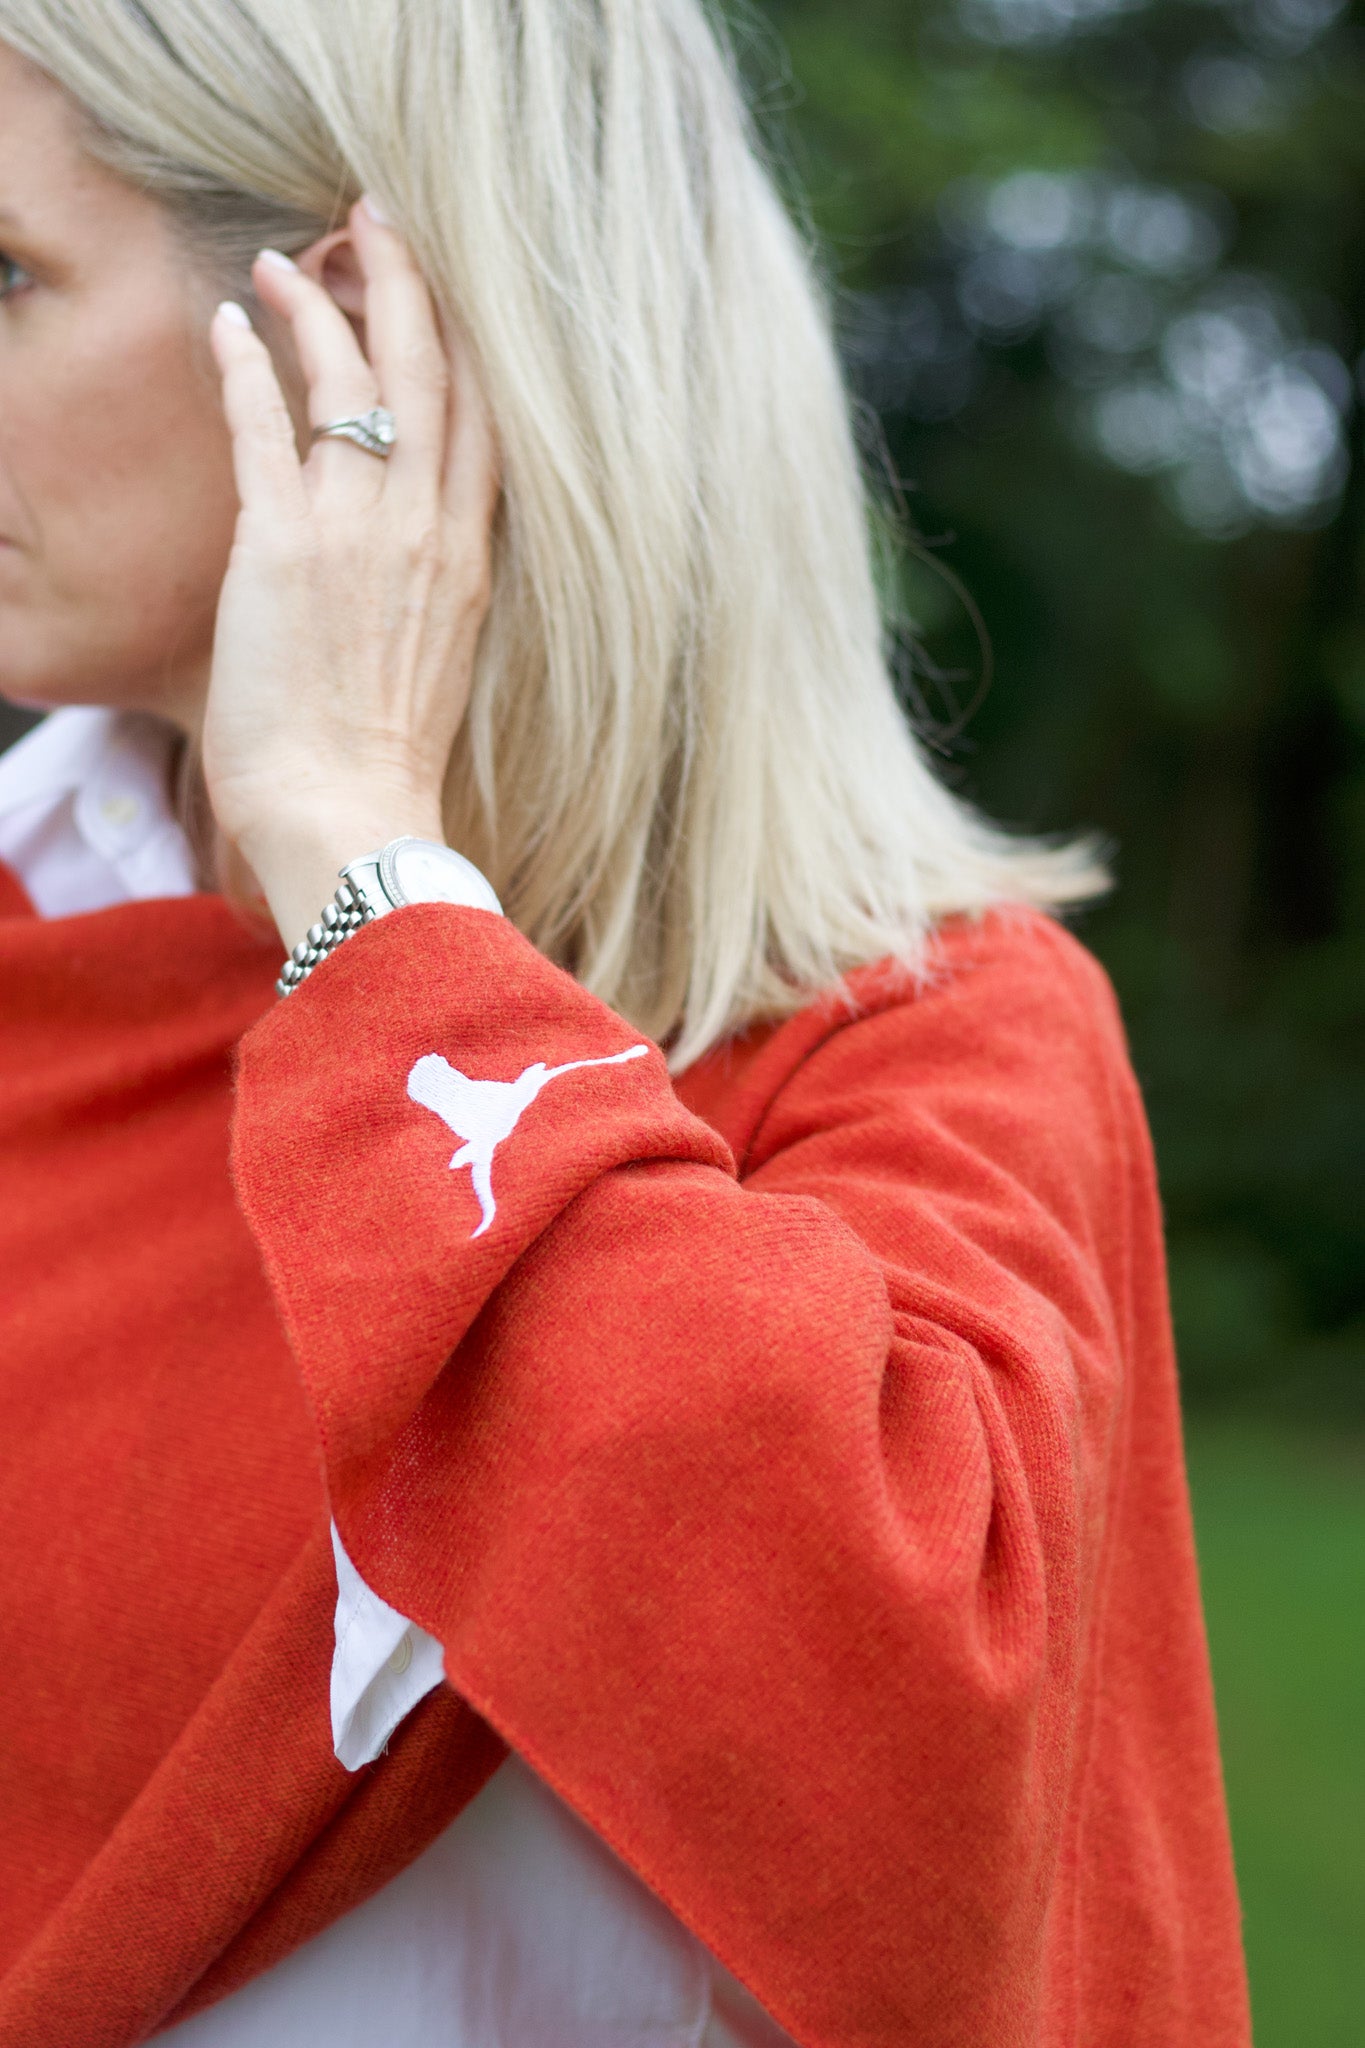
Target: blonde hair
(684,767)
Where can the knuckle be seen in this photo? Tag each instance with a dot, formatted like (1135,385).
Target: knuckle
(472,570)
(423,363)
(295,543)
(273,424)
(423,545)
(263,409)
(479,594)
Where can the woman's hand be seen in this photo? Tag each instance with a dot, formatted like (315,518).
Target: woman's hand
(357,588)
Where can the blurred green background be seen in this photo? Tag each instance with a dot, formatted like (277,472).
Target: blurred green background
(1100,270)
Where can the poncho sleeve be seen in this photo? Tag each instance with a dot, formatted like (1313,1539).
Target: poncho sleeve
(781,1481)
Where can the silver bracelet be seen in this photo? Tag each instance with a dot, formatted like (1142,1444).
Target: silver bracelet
(346,913)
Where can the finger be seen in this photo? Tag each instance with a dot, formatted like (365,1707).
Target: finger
(264,449)
(341,384)
(404,342)
(473,482)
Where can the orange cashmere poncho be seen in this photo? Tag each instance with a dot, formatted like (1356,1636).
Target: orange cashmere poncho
(791,1472)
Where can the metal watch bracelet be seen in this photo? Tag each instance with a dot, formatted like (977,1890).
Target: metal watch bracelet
(407,870)
(346,913)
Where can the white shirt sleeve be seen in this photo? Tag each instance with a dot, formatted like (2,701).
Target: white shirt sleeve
(383,1665)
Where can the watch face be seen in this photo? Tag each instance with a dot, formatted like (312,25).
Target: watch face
(419,871)
(424,873)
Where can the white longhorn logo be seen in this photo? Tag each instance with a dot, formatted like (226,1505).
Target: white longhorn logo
(483,1113)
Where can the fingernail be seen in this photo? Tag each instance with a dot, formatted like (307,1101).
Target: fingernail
(375,210)
(276,260)
(235,315)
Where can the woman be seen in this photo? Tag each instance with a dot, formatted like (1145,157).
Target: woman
(573,1542)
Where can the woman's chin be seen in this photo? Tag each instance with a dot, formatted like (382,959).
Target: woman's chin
(40,697)
(30,697)
(19,703)
(34,686)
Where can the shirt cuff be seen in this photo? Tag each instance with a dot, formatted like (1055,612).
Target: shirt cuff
(382,1667)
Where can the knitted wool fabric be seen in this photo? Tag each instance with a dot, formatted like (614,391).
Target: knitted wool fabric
(790,1470)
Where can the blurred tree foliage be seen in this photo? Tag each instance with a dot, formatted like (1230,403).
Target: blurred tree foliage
(1100,268)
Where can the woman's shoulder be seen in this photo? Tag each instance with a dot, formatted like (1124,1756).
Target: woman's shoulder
(1013,955)
(1008,1019)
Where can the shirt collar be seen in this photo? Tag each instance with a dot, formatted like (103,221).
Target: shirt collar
(53,760)
(113,768)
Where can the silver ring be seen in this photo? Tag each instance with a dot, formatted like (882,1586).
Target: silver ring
(375,432)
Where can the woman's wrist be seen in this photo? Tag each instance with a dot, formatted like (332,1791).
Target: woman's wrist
(297,859)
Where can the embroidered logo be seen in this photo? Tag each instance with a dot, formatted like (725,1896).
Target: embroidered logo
(484,1113)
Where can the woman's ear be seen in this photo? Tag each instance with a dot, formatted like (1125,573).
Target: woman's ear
(332,262)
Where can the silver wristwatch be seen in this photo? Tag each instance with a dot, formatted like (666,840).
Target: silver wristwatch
(405,871)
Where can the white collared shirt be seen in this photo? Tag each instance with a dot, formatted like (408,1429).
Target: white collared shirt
(85,819)
(518,1927)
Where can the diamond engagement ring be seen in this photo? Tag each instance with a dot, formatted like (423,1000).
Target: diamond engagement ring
(374,431)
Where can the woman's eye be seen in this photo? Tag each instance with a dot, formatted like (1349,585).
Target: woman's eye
(12,277)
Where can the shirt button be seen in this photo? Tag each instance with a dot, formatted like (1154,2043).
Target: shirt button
(401,1658)
(120,811)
